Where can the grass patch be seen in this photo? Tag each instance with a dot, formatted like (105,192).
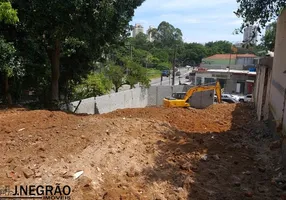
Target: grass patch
(153,73)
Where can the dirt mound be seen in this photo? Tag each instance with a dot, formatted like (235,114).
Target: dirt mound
(151,153)
(216,118)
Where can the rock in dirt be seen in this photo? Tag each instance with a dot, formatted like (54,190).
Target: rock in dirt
(204,158)
(247,173)
(236,181)
(77,174)
(27,172)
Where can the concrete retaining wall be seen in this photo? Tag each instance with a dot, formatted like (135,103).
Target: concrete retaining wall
(135,98)
(138,98)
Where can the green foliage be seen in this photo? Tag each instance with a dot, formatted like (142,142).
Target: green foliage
(95,84)
(163,66)
(136,74)
(259,12)
(10,63)
(153,73)
(7,14)
(116,75)
(167,36)
(268,40)
(219,47)
(161,54)
(74,33)
(194,53)
(140,42)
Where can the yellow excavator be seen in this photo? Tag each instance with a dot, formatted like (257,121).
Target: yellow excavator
(181,99)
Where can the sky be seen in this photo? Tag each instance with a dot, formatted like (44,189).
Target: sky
(200,20)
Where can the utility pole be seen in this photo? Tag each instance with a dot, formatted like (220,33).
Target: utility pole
(174,63)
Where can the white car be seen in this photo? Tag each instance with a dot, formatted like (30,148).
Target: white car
(239,98)
(228,98)
(248,98)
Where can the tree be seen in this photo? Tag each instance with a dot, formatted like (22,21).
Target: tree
(259,12)
(219,47)
(95,84)
(115,74)
(167,36)
(8,15)
(97,23)
(7,56)
(136,74)
(268,40)
(8,62)
(193,53)
(140,41)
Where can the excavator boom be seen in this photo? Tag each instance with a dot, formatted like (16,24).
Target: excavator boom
(173,102)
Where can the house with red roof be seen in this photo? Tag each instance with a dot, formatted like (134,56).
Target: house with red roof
(234,61)
(235,72)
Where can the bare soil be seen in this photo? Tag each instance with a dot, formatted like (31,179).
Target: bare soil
(217,153)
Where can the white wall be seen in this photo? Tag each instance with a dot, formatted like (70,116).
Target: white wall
(135,98)
(278,83)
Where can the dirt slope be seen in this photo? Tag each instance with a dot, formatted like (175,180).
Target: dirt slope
(151,153)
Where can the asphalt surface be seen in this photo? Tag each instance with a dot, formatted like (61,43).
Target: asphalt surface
(168,80)
(165,81)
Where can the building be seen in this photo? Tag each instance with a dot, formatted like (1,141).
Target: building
(232,81)
(250,34)
(138,28)
(234,61)
(150,33)
(270,87)
(235,72)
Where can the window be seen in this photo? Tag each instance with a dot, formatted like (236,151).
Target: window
(209,80)
(199,80)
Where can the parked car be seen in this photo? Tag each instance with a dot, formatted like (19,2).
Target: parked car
(165,73)
(226,98)
(239,98)
(248,98)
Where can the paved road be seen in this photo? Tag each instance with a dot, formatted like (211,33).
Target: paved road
(166,80)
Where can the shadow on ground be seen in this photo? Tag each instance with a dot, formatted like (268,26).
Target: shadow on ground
(236,164)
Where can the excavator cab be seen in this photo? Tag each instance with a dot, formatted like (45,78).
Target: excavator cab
(180,99)
(179,95)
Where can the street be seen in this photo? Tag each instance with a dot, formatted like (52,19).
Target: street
(166,80)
